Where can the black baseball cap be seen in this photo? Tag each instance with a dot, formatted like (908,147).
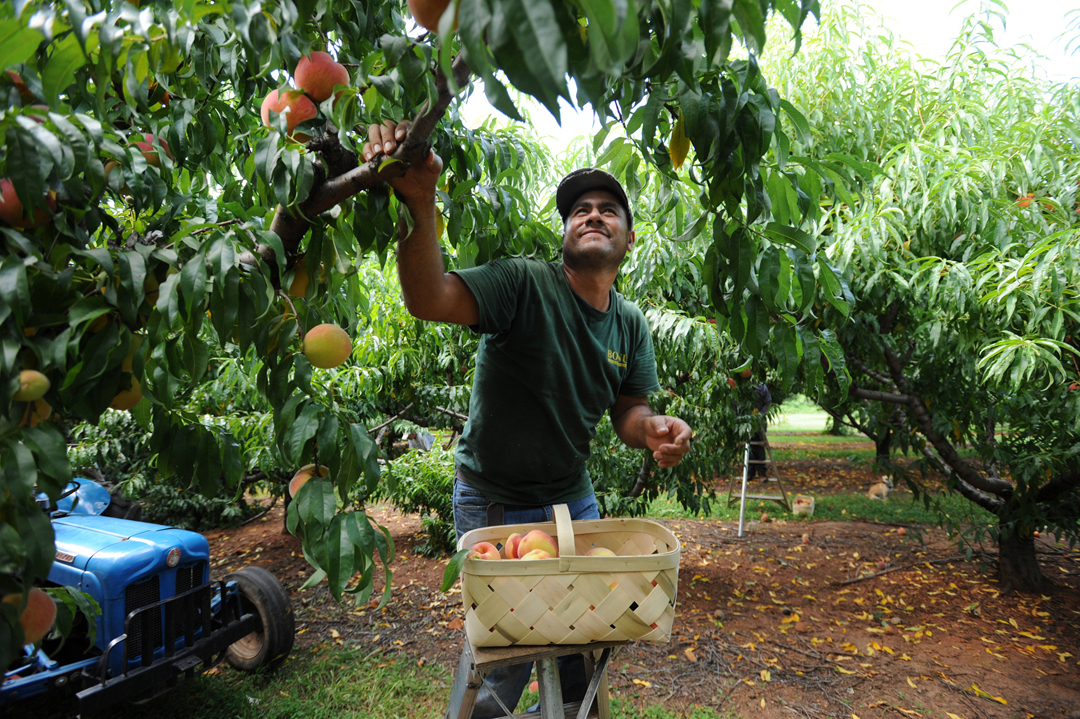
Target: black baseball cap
(578,182)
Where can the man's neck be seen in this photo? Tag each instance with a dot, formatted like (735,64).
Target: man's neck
(593,287)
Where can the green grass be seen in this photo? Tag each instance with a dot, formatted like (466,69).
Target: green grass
(800,422)
(900,509)
(338,683)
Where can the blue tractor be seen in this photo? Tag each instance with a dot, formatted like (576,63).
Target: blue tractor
(162,619)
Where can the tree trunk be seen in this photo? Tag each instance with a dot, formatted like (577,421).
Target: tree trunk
(1018,569)
(883,443)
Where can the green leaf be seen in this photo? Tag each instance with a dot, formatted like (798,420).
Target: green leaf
(453,570)
(300,432)
(791,236)
(315,502)
(60,70)
(17,43)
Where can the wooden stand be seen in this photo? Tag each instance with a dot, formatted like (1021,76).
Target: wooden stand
(476,662)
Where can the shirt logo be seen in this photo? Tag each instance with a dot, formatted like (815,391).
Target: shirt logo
(619,360)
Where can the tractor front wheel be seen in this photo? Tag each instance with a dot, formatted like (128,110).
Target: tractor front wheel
(262,594)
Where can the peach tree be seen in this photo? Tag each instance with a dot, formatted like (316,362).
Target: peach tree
(158,197)
(961,332)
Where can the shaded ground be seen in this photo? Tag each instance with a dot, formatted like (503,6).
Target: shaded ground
(772,624)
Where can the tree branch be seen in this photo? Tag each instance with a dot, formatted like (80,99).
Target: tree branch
(987,501)
(643,476)
(948,453)
(890,317)
(291,228)
(875,396)
(387,423)
(1058,486)
(858,364)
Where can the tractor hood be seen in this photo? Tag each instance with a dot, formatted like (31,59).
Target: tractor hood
(79,539)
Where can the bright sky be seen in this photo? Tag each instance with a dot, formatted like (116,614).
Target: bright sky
(929,25)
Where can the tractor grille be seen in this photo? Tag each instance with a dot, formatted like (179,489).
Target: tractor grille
(139,595)
(187,576)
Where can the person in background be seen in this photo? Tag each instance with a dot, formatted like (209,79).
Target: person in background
(762,402)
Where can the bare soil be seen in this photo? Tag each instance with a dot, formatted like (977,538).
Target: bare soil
(806,619)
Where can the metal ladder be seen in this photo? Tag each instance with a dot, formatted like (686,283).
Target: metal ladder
(772,474)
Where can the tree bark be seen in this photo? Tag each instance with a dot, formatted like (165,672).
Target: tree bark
(1018,569)
(883,447)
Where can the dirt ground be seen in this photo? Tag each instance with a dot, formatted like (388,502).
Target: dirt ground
(785,621)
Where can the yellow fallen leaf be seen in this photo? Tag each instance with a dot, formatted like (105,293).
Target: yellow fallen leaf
(1013,622)
(952,716)
(844,671)
(689,654)
(911,683)
(679,146)
(762,702)
(981,693)
(766,676)
(909,712)
(335,634)
(642,682)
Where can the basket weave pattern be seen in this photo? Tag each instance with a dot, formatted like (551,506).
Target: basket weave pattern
(573,599)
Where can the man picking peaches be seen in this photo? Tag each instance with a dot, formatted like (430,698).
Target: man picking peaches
(559,348)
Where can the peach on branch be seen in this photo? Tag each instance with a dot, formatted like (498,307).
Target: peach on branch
(537,539)
(150,147)
(304,474)
(427,13)
(32,385)
(299,107)
(484,550)
(327,346)
(13,213)
(319,74)
(39,615)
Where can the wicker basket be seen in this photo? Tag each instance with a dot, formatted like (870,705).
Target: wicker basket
(573,599)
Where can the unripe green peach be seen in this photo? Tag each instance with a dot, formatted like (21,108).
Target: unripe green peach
(32,385)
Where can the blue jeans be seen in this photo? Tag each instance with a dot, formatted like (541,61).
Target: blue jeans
(470,512)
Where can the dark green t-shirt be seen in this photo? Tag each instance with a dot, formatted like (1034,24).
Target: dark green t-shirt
(548,367)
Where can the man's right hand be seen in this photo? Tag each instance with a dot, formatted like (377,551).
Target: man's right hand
(416,187)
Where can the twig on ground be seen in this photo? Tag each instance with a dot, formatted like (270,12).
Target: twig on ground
(863,578)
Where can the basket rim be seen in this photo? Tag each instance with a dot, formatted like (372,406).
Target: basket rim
(576,564)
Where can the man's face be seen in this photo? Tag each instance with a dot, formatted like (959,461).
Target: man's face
(596,235)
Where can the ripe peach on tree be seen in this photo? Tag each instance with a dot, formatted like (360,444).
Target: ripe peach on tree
(296,104)
(327,346)
(151,146)
(427,13)
(39,615)
(318,74)
(13,212)
(304,474)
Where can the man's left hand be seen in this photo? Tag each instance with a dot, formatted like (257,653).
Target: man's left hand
(668,438)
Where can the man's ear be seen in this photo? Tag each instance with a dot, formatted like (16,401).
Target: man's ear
(630,237)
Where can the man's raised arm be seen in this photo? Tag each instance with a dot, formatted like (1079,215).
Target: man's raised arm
(430,293)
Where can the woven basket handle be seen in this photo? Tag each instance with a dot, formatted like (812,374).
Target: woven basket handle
(565,529)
